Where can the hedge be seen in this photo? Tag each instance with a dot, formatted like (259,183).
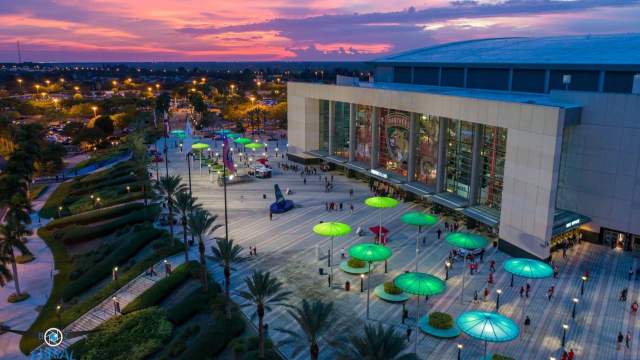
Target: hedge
(178,343)
(193,303)
(355,263)
(501,357)
(94,215)
(135,241)
(130,337)
(50,208)
(121,182)
(440,320)
(391,288)
(164,287)
(81,233)
(213,339)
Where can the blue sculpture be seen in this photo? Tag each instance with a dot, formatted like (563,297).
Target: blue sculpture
(281,205)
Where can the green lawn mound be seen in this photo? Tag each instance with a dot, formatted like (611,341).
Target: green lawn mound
(382,294)
(135,336)
(14,298)
(438,326)
(344,266)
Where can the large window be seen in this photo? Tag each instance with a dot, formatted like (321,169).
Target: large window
(459,154)
(341,130)
(494,146)
(394,141)
(426,149)
(323,132)
(364,116)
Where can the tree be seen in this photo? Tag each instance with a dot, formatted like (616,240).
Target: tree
(198,104)
(264,292)
(202,223)
(163,101)
(169,186)
(140,160)
(377,343)
(184,205)
(11,236)
(315,319)
(225,253)
(103,123)
(5,273)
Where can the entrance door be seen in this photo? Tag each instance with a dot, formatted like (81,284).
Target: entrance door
(614,239)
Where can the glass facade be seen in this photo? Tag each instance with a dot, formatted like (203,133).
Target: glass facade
(364,116)
(394,141)
(459,155)
(341,129)
(323,132)
(494,145)
(426,152)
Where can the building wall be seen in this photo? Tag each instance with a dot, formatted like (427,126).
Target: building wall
(600,168)
(532,158)
(303,123)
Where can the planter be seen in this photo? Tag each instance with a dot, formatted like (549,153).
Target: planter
(23,259)
(13,298)
(351,270)
(379,291)
(450,333)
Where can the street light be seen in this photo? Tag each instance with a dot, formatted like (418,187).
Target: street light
(447,265)
(95,109)
(361,283)
(76,88)
(499,291)
(58,309)
(575,303)
(114,274)
(128,189)
(565,327)
(460,346)
(584,279)
(20,83)
(59,211)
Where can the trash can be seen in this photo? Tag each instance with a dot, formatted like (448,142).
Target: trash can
(347,286)
(321,271)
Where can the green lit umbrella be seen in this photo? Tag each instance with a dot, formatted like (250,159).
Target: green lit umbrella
(381,202)
(487,327)
(254,146)
(419,284)
(223,132)
(233,135)
(332,229)
(370,253)
(177,132)
(466,241)
(199,146)
(527,268)
(418,219)
(243,141)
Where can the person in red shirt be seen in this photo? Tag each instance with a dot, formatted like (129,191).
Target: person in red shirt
(571,355)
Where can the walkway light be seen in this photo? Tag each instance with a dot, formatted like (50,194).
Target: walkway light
(575,303)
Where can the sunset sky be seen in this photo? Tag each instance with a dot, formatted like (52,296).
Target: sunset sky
(223,30)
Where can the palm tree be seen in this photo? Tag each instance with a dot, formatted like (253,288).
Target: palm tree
(264,292)
(225,253)
(314,319)
(202,223)
(185,204)
(169,186)
(140,160)
(5,273)
(377,343)
(11,234)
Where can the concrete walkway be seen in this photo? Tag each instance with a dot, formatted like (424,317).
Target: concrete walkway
(36,278)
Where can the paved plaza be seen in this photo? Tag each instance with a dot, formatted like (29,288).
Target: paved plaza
(286,246)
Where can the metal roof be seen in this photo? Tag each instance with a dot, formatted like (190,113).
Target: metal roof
(613,49)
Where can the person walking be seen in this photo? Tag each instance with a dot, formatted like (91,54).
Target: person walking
(304,181)
(527,323)
(634,308)
(527,290)
(521,291)
(564,356)
(270,215)
(550,292)
(475,297)
(630,273)
(627,340)
(485,294)
(620,339)
(351,209)
(492,266)
(342,253)
(571,354)
(408,333)
(439,232)
(564,251)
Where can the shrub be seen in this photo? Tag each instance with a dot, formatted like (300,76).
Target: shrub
(355,263)
(501,357)
(440,320)
(94,216)
(14,298)
(215,336)
(193,303)
(391,288)
(81,233)
(130,337)
(163,288)
(102,270)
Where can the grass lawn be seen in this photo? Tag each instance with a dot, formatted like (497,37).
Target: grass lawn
(101,155)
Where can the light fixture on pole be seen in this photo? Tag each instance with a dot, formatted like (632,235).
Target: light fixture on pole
(499,291)
(447,265)
(361,283)
(584,279)
(575,303)
(460,346)
(565,327)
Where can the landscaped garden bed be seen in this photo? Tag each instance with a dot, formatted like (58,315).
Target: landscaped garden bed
(439,325)
(389,292)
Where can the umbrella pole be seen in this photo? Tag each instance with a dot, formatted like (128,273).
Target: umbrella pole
(331,264)
(464,269)
(368,287)
(485,350)
(417,249)
(380,229)
(415,346)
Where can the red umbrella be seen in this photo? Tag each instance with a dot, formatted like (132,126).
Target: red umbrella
(157,159)
(376,230)
(262,161)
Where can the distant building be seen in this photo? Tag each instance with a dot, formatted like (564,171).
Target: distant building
(533,137)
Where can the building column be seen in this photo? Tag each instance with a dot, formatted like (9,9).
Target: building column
(413,127)
(332,126)
(601,81)
(352,132)
(476,162)
(510,85)
(375,138)
(547,80)
(441,176)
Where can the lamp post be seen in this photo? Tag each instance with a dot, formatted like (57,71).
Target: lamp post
(58,309)
(584,279)
(189,156)
(361,283)
(575,303)
(460,346)
(114,274)
(499,291)
(128,189)
(59,211)
(565,327)
(95,109)
(447,265)
(116,306)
